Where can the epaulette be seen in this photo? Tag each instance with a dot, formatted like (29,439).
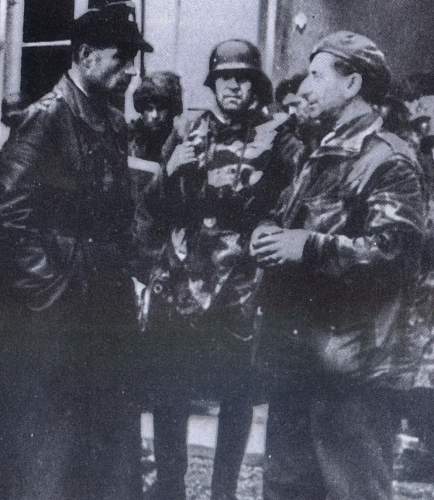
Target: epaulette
(47,100)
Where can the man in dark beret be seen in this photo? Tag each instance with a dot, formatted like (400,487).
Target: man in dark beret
(341,254)
(71,431)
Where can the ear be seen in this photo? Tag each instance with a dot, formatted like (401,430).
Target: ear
(84,53)
(354,84)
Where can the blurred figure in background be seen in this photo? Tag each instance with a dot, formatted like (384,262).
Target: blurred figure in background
(289,100)
(396,116)
(158,99)
(286,94)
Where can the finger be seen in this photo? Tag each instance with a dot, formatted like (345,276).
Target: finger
(264,253)
(267,241)
(270,233)
(267,261)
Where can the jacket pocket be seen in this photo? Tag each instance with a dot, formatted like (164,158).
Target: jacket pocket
(48,271)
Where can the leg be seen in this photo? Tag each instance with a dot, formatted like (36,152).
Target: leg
(170,444)
(235,419)
(291,470)
(353,434)
(46,431)
(111,430)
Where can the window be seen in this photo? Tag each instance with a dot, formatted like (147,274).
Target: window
(46,44)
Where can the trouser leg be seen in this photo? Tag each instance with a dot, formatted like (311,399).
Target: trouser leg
(170,445)
(235,419)
(46,430)
(291,470)
(353,435)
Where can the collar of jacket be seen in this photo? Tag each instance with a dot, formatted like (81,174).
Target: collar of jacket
(348,139)
(83,107)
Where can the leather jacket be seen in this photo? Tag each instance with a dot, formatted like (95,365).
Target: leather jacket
(343,310)
(65,205)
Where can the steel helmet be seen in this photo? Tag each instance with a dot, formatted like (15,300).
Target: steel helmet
(240,56)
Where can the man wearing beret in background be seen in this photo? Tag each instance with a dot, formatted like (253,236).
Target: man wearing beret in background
(341,256)
(72,430)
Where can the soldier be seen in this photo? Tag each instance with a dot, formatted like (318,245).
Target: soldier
(158,99)
(218,184)
(341,256)
(65,215)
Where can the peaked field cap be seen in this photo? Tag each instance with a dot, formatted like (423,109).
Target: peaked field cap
(360,51)
(105,28)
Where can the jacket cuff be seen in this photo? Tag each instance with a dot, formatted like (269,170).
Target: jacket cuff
(312,250)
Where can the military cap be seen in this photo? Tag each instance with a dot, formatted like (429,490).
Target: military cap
(361,53)
(106,28)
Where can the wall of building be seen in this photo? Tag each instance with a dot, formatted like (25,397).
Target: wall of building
(402,28)
(184,32)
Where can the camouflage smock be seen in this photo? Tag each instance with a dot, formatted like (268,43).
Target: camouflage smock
(210,207)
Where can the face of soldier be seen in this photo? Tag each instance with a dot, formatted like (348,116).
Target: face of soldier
(155,115)
(326,91)
(234,93)
(293,104)
(109,70)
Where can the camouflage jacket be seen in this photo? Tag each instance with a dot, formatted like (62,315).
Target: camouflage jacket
(210,208)
(343,311)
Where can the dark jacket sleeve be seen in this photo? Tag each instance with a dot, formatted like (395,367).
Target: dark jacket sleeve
(34,271)
(390,245)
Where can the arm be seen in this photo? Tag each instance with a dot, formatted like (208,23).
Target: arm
(389,246)
(393,230)
(34,270)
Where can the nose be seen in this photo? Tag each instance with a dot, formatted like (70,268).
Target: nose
(305,88)
(233,82)
(130,69)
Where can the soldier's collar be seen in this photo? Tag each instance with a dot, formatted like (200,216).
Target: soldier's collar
(348,138)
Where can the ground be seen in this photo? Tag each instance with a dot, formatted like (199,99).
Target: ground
(201,439)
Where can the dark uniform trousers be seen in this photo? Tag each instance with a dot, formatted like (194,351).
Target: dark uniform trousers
(70,427)
(185,365)
(329,441)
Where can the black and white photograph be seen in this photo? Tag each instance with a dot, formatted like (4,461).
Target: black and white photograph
(216,250)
